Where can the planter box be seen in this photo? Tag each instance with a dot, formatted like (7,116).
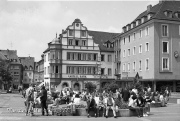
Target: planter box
(123,113)
(81,112)
(155,105)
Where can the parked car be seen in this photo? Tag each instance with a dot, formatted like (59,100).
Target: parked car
(9,90)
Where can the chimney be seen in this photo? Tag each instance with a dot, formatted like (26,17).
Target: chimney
(149,8)
(62,31)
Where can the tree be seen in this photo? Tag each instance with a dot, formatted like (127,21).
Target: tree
(90,87)
(5,75)
(111,86)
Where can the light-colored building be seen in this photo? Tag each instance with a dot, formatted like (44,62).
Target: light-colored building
(78,56)
(150,45)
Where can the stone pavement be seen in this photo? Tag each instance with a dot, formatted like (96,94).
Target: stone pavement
(169,113)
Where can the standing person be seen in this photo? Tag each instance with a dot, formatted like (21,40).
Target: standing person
(125,95)
(29,99)
(43,98)
(166,95)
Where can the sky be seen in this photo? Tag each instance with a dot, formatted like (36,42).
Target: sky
(28,26)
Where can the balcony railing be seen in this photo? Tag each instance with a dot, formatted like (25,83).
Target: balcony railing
(55,60)
(55,75)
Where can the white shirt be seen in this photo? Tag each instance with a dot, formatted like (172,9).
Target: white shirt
(135,91)
(131,102)
(97,100)
(77,101)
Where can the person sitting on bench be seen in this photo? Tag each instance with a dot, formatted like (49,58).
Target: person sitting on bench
(109,103)
(91,105)
(133,106)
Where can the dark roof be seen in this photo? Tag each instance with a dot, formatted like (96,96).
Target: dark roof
(159,9)
(11,55)
(2,57)
(27,61)
(46,50)
(101,38)
(77,21)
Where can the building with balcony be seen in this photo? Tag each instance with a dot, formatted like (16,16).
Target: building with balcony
(150,45)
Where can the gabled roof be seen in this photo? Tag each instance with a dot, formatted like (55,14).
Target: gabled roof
(2,57)
(101,38)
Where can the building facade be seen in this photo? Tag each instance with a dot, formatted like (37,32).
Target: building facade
(15,67)
(28,70)
(150,46)
(79,56)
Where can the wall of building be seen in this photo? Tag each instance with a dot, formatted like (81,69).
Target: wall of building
(174,45)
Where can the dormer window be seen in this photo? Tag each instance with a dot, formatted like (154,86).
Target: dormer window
(124,29)
(177,14)
(168,13)
(142,20)
(149,15)
(132,25)
(137,22)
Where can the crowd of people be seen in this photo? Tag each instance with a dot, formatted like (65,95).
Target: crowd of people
(96,101)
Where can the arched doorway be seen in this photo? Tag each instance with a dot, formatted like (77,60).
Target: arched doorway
(64,85)
(77,87)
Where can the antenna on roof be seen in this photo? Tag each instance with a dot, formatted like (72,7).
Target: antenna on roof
(11,45)
(56,34)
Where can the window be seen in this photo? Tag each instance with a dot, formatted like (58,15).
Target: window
(102,57)
(83,42)
(77,42)
(128,52)
(109,58)
(79,56)
(129,37)
(57,70)
(147,47)
(140,33)
(124,67)
(48,56)
(89,56)
(140,65)
(140,48)
(134,36)
(147,31)
(70,42)
(134,66)
(68,55)
(165,47)
(164,30)
(95,57)
(134,50)
(84,56)
(109,71)
(128,66)
(83,33)
(44,58)
(124,40)
(102,71)
(124,53)
(165,63)
(70,32)
(147,64)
